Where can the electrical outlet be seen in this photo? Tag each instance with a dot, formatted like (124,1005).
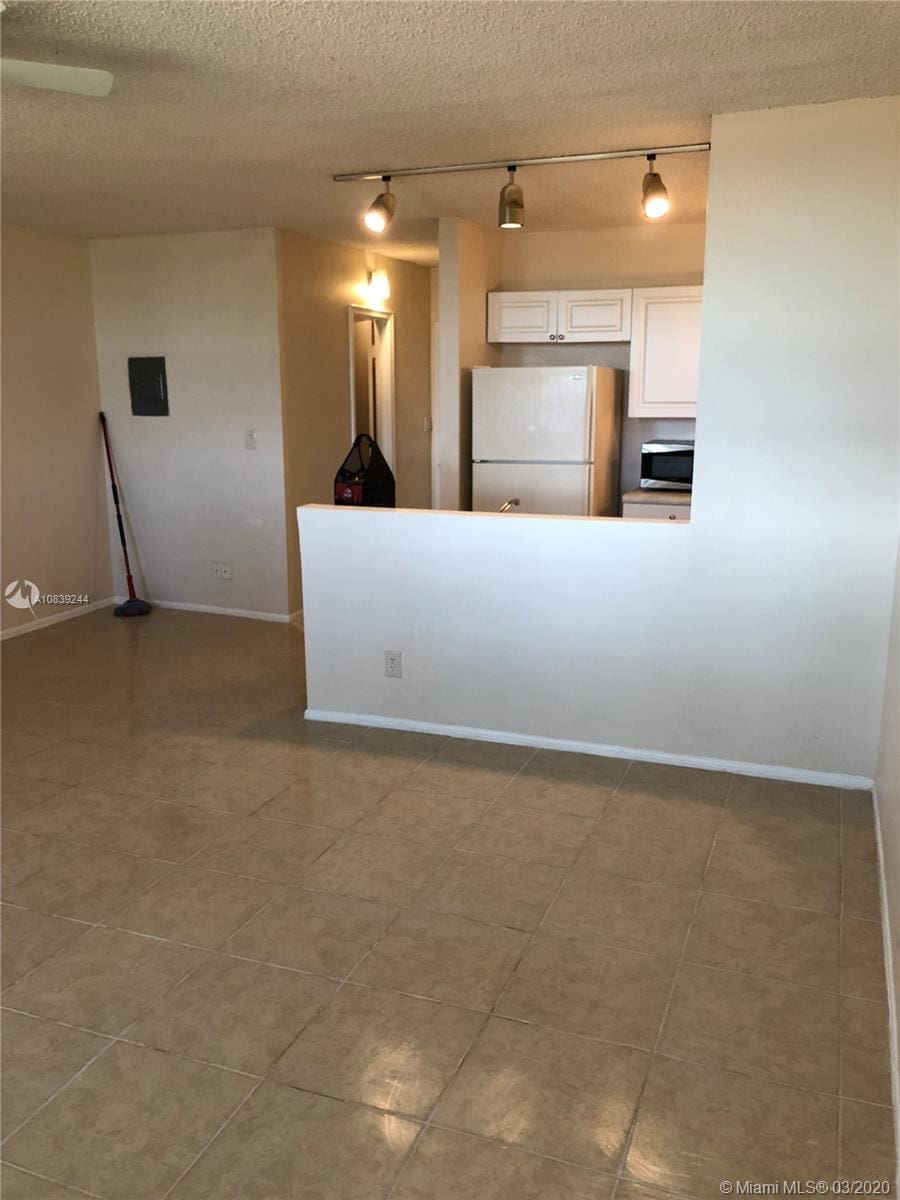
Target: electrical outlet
(249,439)
(222,570)
(393,664)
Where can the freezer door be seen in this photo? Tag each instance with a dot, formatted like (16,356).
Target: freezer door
(562,488)
(532,414)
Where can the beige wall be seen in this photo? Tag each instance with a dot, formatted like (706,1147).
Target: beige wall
(635,256)
(317,282)
(470,267)
(54,488)
(195,495)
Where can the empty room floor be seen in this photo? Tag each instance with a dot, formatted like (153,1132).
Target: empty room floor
(245,956)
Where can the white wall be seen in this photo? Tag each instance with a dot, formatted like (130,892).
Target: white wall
(758,632)
(887,790)
(195,495)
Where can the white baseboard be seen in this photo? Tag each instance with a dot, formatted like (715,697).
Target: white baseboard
(892,998)
(281,618)
(55,618)
(42,622)
(762,770)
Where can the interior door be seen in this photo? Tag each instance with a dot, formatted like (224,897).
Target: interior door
(559,488)
(531,414)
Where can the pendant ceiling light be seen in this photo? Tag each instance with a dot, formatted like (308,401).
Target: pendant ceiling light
(381,211)
(512,204)
(654,197)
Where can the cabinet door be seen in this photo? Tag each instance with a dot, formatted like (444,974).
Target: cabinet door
(595,316)
(656,512)
(522,316)
(665,352)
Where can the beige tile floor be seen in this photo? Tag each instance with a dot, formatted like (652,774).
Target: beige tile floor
(246,957)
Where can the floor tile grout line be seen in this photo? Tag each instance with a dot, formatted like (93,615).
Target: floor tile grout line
(107,922)
(407,1161)
(342,980)
(568,1162)
(632,1128)
(99,924)
(365,985)
(484,1013)
(460,1064)
(168,1192)
(299,882)
(57,1091)
(410,906)
(46,1178)
(124,1039)
(555,896)
(111,1040)
(255,814)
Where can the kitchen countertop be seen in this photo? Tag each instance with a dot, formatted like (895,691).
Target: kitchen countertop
(655,496)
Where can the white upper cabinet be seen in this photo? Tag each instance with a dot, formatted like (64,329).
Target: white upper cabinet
(589,316)
(594,316)
(522,316)
(665,352)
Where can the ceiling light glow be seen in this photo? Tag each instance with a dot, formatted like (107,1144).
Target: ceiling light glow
(654,197)
(381,211)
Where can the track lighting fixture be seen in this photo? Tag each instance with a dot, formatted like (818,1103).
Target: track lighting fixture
(382,209)
(654,197)
(512,204)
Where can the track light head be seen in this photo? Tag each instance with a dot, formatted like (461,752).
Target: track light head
(654,197)
(511,214)
(381,211)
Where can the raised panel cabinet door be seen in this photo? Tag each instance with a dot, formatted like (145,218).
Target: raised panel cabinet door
(595,316)
(522,316)
(665,352)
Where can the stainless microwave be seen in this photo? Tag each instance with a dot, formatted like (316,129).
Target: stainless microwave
(668,465)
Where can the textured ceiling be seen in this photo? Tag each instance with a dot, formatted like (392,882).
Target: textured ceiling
(227,115)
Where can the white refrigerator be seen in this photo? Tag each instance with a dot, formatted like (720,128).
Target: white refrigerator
(548,437)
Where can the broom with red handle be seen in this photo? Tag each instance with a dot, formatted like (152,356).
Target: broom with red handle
(133,606)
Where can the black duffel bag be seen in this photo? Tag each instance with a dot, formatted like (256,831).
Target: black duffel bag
(364,476)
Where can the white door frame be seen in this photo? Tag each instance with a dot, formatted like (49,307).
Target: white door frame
(384,376)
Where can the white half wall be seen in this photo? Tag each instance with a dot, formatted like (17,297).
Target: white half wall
(757,633)
(194,494)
